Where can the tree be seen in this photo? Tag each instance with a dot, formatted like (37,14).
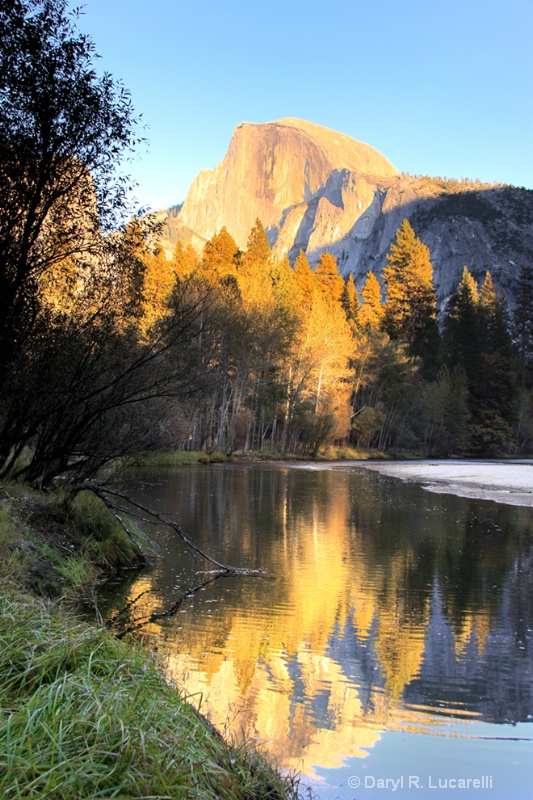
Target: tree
(328,279)
(159,281)
(253,269)
(411,306)
(523,324)
(461,328)
(477,340)
(494,319)
(184,260)
(443,413)
(385,393)
(522,330)
(63,131)
(372,310)
(319,386)
(82,379)
(219,257)
(305,280)
(350,301)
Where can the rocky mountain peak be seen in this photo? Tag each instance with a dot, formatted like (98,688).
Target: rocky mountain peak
(268,169)
(316,189)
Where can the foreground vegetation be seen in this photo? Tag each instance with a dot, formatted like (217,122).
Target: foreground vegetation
(83,715)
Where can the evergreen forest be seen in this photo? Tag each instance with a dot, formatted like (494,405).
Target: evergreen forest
(300,360)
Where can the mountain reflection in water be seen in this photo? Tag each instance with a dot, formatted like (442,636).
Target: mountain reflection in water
(387,607)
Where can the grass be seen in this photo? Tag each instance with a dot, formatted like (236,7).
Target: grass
(54,547)
(82,715)
(172,458)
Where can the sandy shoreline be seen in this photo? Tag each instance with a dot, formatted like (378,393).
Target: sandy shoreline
(508,482)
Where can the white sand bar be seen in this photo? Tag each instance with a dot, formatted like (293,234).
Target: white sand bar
(502,481)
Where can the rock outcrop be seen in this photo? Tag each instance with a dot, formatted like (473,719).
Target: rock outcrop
(316,189)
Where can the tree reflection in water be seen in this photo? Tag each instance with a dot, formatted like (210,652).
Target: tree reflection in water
(389,608)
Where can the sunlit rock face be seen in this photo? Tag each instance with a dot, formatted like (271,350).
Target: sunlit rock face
(315,189)
(273,169)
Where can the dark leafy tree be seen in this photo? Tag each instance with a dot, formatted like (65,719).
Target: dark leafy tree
(522,331)
(81,380)
(443,414)
(496,397)
(63,130)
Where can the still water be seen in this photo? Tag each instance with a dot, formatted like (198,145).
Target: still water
(389,652)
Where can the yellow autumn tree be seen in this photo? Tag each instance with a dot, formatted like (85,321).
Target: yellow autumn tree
(159,280)
(328,278)
(372,311)
(184,260)
(319,385)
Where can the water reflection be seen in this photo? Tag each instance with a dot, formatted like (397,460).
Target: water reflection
(388,608)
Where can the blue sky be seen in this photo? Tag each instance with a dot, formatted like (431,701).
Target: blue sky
(440,87)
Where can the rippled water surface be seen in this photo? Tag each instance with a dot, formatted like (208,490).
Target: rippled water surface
(389,652)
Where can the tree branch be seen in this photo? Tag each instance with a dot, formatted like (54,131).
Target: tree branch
(153,517)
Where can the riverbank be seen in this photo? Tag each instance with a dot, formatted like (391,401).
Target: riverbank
(81,713)
(509,482)
(174,458)
(87,716)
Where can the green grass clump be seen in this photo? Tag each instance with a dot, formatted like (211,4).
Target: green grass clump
(174,458)
(104,539)
(10,561)
(84,716)
(52,544)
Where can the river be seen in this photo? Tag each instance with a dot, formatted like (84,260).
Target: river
(389,649)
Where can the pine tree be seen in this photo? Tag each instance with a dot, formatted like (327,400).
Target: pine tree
(478,341)
(257,254)
(488,295)
(494,322)
(159,280)
(372,310)
(411,306)
(184,260)
(283,281)
(305,280)
(523,325)
(328,278)
(219,257)
(461,328)
(350,301)
(254,268)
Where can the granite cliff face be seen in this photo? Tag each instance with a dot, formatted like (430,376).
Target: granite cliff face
(272,169)
(318,190)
